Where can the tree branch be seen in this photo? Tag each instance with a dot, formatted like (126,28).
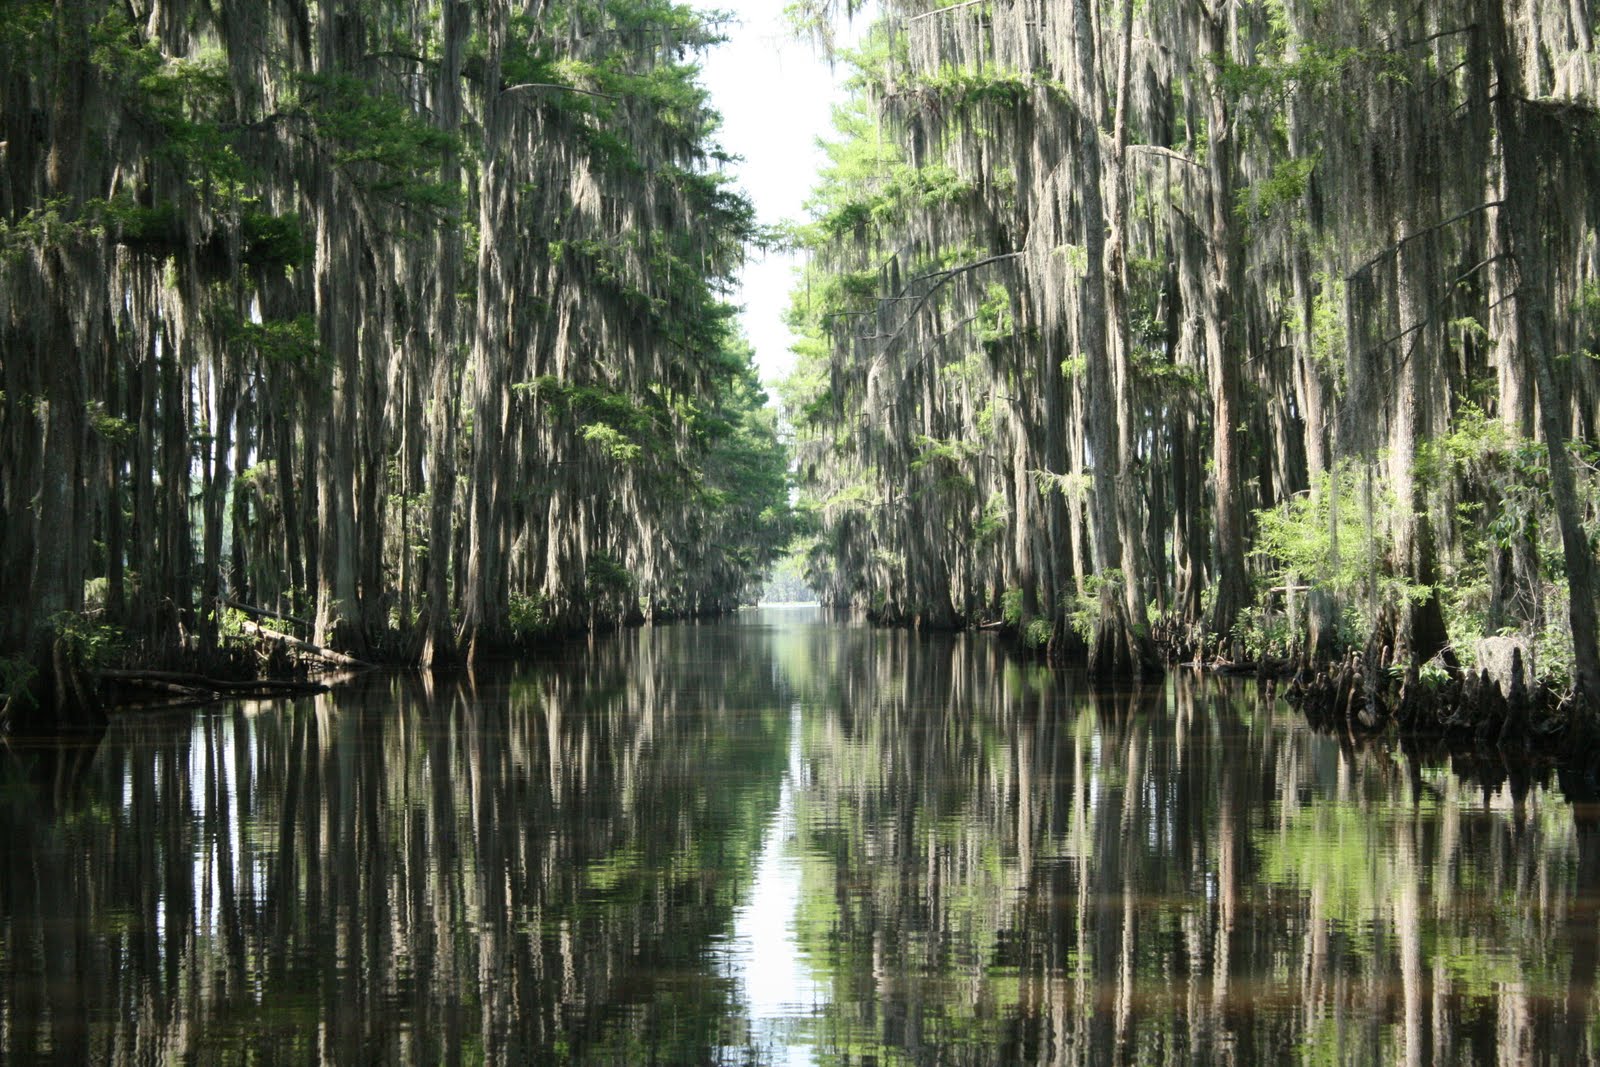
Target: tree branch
(558,88)
(942,11)
(1165,152)
(1398,245)
(1468,28)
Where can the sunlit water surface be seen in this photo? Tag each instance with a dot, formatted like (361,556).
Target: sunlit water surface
(779,840)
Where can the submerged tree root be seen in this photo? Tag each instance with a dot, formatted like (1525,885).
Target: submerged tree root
(1366,694)
(1374,691)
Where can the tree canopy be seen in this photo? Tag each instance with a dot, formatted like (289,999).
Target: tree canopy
(410,318)
(1263,327)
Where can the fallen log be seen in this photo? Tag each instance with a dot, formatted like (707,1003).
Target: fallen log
(200,681)
(168,705)
(164,685)
(305,648)
(264,613)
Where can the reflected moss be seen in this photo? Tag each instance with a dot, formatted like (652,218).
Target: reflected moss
(545,865)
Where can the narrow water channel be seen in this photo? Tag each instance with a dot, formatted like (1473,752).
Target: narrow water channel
(782,840)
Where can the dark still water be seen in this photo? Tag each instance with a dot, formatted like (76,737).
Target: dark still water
(778,841)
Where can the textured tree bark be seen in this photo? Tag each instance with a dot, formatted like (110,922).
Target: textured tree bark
(1230,586)
(56,582)
(1130,519)
(225,406)
(482,609)
(1421,633)
(1535,340)
(1117,646)
(337,271)
(438,646)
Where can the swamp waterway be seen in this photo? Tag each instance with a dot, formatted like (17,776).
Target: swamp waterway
(782,840)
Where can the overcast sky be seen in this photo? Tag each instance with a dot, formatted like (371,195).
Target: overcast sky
(776,96)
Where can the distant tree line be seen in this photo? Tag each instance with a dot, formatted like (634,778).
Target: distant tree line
(786,583)
(1266,328)
(404,318)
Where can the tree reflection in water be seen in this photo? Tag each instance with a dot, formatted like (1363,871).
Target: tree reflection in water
(983,862)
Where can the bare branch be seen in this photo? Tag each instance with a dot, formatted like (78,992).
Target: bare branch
(943,10)
(1398,245)
(558,88)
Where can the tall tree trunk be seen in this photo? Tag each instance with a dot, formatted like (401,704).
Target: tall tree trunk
(438,646)
(1521,239)
(483,600)
(225,404)
(1130,526)
(337,273)
(56,580)
(1121,644)
(1421,631)
(1231,588)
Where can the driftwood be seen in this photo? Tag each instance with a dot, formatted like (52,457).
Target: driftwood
(303,647)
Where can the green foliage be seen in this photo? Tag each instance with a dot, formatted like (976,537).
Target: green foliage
(946,455)
(1011,607)
(1280,192)
(1328,540)
(996,316)
(1160,376)
(277,342)
(110,429)
(16,682)
(152,230)
(1507,510)
(1037,633)
(86,643)
(606,576)
(1075,485)
(1553,658)
(1315,69)
(746,475)
(611,441)
(992,521)
(1076,258)
(966,87)
(1261,632)
(786,583)
(1328,342)
(528,615)
(857,496)
(273,241)
(231,622)
(899,191)
(1083,608)
(188,97)
(384,147)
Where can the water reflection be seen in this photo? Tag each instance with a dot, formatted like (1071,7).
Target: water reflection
(783,841)
(777,986)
